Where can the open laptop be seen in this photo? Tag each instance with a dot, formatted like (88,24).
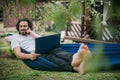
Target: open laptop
(46,44)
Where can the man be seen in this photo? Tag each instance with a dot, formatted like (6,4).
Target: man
(26,40)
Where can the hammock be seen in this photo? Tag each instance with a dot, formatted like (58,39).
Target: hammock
(110,56)
(105,55)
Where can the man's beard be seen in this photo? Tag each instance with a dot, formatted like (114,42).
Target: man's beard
(23,32)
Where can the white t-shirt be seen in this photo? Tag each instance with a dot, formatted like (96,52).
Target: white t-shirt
(25,42)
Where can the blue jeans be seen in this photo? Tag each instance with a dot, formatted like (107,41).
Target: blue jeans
(60,57)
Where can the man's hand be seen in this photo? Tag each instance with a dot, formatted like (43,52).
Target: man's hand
(32,33)
(34,55)
(29,31)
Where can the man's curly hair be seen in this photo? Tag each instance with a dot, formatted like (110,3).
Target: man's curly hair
(30,25)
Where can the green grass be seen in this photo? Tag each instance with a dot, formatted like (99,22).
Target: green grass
(13,69)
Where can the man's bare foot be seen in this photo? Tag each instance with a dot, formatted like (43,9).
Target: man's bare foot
(82,68)
(78,57)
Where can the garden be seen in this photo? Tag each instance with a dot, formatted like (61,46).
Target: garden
(53,18)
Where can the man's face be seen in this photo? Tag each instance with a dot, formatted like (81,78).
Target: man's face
(23,27)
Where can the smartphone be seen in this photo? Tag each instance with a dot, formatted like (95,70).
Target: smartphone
(28,32)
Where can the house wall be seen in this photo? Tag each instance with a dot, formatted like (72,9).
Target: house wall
(12,14)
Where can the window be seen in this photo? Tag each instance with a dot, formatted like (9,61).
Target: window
(98,7)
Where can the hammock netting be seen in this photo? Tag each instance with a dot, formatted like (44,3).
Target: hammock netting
(103,55)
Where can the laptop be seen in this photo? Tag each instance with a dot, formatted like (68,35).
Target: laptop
(46,44)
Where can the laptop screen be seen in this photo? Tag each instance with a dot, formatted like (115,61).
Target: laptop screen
(46,44)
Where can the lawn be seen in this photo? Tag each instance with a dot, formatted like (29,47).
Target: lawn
(14,69)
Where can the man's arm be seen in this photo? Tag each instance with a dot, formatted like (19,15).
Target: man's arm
(21,55)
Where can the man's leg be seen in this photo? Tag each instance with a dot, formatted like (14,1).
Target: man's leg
(80,58)
(62,54)
(60,57)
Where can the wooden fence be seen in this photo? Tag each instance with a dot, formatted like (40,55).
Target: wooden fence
(76,30)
